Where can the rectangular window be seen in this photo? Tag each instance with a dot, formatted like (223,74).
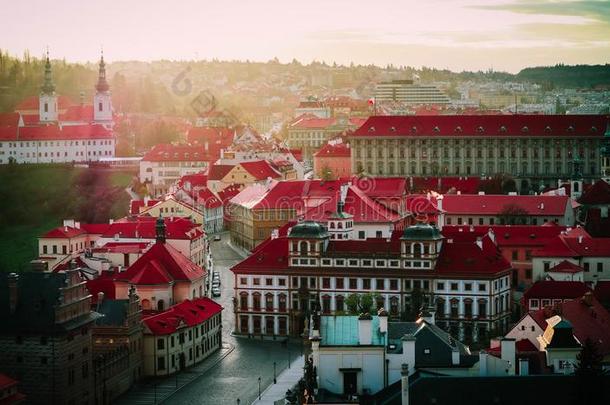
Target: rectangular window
(256,281)
(160,344)
(339,283)
(243,281)
(394,285)
(353,283)
(366,283)
(361,235)
(454,286)
(515,255)
(534,303)
(482,287)
(281,282)
(380,284)
(161,363)
(468,287)
(268,281)
(440,286)
(586,267)
(326,282)
(600,267)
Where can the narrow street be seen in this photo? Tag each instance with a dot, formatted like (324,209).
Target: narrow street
(235,376)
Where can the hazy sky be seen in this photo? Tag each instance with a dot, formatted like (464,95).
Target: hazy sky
(454,34)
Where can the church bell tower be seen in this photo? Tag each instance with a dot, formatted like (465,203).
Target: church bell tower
(47,101)
(102,102)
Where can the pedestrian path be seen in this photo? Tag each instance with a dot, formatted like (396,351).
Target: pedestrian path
(240,251)
(285,381)
(158,390)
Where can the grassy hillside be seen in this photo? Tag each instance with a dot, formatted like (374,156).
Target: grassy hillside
(35,198)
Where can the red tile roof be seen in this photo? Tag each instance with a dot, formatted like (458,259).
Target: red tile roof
(8,133)
(80,113)
(10,119)
(446,185)
(101,284)
(508,235)
(227,193)
(597,194)
(54,132)
(176,153)
(218,172)
(467,258)
(484,125)
(208,199)
(334,150)
(566,267)
(136,205)
(588,322)
(195,180)
(313,123)
(260,170)
(538,205)
(64,232)
(556,289)
(144,227)
(189,312)
(161,264)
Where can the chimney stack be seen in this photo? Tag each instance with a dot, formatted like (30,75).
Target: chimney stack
(508,353)
(365,334)
(404,384)
(383,320)
(13,291)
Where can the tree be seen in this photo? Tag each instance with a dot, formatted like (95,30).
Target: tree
(353,303)
(589,373)
(512,214)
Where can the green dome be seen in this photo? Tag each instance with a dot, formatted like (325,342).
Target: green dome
(308,230)
(421,231)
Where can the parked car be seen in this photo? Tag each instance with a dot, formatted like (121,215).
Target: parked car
(215,284)
(215,292)
(217,237)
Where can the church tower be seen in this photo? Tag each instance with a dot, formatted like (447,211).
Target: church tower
(47,102)
(576,182)
(102,102)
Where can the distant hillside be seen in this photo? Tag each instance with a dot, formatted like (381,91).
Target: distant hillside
(563,76)
(36,198)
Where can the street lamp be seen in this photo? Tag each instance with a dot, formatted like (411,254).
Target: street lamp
(259,388)
(274,379)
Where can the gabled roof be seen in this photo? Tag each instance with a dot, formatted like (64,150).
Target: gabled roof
(566,266)
(508,235)
(556,289)
(176,153)
(468,258)
(597,194)
(136,205)
(64,232)
(144,227)
(188,313)
(260,169)
(161,264)
(588,321)
(513,125)
(334,150)
(218,172)
(534,205)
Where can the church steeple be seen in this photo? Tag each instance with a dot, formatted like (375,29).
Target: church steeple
(48,87)
(102,85)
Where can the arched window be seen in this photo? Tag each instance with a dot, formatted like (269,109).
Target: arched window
(417,249)
(340,225)
(160,305)
(304,247)
(440,307)
(194,292)
(268,302)
(243,301)
(282,302)
(332,225)
(394,305)
(146,304)
(256,301)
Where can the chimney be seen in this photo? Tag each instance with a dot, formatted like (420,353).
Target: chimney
(383,320)
(365,334)
(587,299)
(580,239)
(508,354)
(404,384)
(428,315)
(13,291)
(455,356)
(524,367)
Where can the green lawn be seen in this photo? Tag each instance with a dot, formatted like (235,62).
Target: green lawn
(36,198)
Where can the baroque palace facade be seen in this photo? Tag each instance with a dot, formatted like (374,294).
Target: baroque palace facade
(533,148)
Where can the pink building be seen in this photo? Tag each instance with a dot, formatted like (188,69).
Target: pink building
(332,161)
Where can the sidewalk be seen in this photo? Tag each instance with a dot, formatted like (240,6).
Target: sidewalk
(156,391)
(285,381)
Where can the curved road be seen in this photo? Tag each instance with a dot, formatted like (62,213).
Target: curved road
(236,376)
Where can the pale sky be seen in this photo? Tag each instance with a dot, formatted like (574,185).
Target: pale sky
(455,34)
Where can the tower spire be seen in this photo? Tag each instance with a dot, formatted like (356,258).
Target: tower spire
(48,87)
(102,85)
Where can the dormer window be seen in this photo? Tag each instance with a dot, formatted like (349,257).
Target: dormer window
(524,129)
(437,129)
(593,129)
(480,129)
(371,129)
(414,129)
(570,128)
(503,129)
(393,129)
(547,129)
(458,129)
